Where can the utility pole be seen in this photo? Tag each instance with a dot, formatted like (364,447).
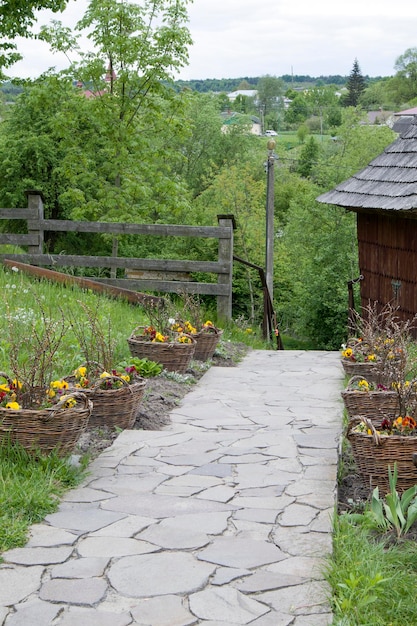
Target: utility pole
(269,248)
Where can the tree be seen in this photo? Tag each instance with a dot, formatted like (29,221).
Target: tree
(308,156)
(270,92)
(321,100)
(403,86)
(16,18)
(355,85)
(129,76)
(319,251)
(239,191)
(298,110)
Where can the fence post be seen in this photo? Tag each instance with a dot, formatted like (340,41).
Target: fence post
(224,303)
(35,204)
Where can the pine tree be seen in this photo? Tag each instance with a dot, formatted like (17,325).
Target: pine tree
(355,85)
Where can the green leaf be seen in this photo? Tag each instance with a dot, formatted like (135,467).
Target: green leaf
(411,516)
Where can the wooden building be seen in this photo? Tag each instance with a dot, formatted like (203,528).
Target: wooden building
(384,197)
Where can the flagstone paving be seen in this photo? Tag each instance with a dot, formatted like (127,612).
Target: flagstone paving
(222,518)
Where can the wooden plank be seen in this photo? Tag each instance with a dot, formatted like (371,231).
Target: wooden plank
(31,239)
(157,265)
(153,275)
(18,214)
(85,283)
(163,230)
(169,286)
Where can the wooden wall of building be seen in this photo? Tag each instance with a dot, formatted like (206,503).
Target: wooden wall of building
(388,261)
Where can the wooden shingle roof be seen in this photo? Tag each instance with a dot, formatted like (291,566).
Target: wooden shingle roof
(388,183)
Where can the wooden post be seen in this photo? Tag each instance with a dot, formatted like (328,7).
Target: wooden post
(35,205)
(114,253)
(270,236)
(224,303)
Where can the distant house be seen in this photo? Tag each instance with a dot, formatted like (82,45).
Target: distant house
(379,117)
(239,118)
(384,197)
(250,93)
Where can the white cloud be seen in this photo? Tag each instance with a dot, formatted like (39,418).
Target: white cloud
(234,38)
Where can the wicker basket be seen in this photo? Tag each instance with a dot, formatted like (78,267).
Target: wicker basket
(174,356)
(366,369)
(206,343)
(375,405)
(374,453)
(115,407)
(57,428)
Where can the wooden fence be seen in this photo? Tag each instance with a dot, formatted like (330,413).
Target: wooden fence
(159,272)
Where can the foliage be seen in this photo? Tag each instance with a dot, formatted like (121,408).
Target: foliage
(270,89)
(372,582)
(316,305)
(144,367)
(240,190)
(137,49)
(394,512)
(308,156)
(406,67)
(357,144)
(203,147)
(55,299)
(33,344)
(30,487)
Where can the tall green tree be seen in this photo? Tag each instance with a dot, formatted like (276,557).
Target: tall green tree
(356,85)
(308,156)
(320,101)
(239,190)
(269,101)
(318,249)
(137,49)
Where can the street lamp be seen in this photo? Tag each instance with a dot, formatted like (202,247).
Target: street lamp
(269,250)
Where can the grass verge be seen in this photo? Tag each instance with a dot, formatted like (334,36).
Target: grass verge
(30,488)
(373,583)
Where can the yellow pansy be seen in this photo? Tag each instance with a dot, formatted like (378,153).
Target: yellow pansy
(68,401)
(15,406)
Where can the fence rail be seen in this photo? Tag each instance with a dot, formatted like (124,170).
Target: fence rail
(164,270)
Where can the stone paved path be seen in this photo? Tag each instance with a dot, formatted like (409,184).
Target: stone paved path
(222,518)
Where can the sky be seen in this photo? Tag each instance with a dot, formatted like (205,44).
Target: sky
(236,38)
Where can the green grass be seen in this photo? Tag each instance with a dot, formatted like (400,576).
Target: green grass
(373,583)
(30,487)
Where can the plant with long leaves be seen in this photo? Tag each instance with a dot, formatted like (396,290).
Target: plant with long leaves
(395,512)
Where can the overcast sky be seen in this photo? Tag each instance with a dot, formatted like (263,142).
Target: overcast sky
(234,38)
